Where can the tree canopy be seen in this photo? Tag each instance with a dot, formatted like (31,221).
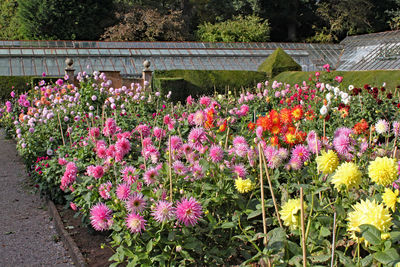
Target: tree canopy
(211,20)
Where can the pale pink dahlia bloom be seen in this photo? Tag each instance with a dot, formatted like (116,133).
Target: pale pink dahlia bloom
(135,223)
(163,211)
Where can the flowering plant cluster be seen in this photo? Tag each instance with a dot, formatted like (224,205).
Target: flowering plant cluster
(278,175)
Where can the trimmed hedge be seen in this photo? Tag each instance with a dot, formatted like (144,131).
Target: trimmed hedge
(20,84)
(183,83)
(278,62)
(355,78)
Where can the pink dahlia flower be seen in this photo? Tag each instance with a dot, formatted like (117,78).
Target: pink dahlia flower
(163,211)
(135,223)
(101,217)
(188,211)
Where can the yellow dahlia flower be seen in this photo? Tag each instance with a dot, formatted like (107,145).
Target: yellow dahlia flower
(368,212)
(243,186)
(390,198)
(347,174)
(327,162)
(290,213)
(383,171)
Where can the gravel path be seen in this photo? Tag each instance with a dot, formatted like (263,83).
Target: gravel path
(27,234)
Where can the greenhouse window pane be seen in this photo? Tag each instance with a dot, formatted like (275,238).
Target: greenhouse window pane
(14,51)
(4,52)
(5,67)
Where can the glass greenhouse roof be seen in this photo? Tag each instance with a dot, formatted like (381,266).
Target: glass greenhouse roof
(376,51)
(35,57)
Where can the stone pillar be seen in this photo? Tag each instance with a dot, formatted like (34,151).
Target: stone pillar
(146,75)
(69,70)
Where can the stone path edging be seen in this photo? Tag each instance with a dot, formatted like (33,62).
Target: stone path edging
(74,251)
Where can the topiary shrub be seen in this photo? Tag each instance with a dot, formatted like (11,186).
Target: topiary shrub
(279,62)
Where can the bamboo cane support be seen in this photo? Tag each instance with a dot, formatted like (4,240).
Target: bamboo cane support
(271,190)
(262,195)
(333,239)
(61,130)
(303,238)
(170,168)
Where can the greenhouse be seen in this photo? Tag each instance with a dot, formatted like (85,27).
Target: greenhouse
(26,58)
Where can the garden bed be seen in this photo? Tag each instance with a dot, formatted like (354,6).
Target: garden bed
(93,245)
(280,174)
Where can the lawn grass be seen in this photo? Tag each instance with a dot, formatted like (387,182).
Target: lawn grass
(374,78)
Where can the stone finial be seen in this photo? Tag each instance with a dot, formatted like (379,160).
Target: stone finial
(69,62)
(146,65)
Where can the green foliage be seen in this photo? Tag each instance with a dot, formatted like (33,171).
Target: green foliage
(278,62)
(9,23)
(239,29)
(147,24)
(183,83)
(178,86)
(65,20)
(18,84)
(355,78)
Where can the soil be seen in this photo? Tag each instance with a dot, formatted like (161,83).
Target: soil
(88,241)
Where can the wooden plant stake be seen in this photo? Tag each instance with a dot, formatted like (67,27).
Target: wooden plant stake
(370,135)
(226,140)
(144,158)
(303,237)
(170,168)
(262,195)
(102,115)
(333,239)
(270,189)
(69,135)
(59,122)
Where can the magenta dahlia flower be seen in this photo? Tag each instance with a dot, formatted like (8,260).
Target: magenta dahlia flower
(101,217)
(136,203)
(110,127)
(216,153)
(123,191)
(188,211)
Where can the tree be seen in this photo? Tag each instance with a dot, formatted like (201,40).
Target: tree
(289,19)
(342,18)
(8,21)
(238,29)
(58,19)
(146,24)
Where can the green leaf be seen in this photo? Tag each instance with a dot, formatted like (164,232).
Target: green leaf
(253,214)
(367,261)
(395,236)
(371,234)
(149,246)
(228,225)
(171,236)
(387,256)
(320,258)
(294,248)
(346,261)
(324,232)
